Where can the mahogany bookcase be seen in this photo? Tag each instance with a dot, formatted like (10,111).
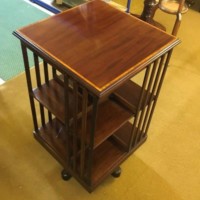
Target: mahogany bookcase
(87,110)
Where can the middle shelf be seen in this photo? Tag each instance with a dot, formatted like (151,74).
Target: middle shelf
(110,117)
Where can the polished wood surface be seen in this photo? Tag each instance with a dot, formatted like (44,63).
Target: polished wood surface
(96,42)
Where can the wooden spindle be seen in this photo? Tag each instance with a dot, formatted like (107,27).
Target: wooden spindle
(29,84)
(83,133)
(134,127)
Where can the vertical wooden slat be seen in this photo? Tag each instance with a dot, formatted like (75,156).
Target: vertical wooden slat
(54,72)
(95,100)
(134,127)
(75,112)
(152,95)
(83,133)
(67,131)
(159,86)
(38,79)
(37,70)
(29,84)
(49,116)
(46,77)
(146,102)
(46,73)
(42,114)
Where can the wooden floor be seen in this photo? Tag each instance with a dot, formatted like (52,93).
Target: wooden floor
(166,167)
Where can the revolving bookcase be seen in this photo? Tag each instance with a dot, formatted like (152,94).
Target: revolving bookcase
(88,111)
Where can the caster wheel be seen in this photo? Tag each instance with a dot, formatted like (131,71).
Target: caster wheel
(117,172)
(65,175)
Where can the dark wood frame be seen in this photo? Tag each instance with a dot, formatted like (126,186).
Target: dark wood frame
(74,136)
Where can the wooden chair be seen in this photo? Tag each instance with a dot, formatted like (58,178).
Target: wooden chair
(174,7)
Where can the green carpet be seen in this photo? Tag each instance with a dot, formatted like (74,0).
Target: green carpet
(13,15)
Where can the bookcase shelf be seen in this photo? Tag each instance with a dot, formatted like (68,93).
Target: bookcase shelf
(111,116)
(52,137)
(109,119)
(128,95)
(52,97)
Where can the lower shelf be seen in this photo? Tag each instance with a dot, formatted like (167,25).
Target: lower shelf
(106,157)
(52,138)
(123,136)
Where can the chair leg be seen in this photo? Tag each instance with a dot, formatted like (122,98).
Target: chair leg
(177,24)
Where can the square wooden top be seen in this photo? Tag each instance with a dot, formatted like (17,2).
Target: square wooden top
(98,43)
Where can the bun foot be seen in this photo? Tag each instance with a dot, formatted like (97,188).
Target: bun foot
(117,172)
(65,175)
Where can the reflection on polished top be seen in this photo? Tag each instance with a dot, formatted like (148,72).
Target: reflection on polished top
(99,44)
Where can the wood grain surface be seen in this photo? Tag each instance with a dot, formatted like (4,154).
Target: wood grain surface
(98,43)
